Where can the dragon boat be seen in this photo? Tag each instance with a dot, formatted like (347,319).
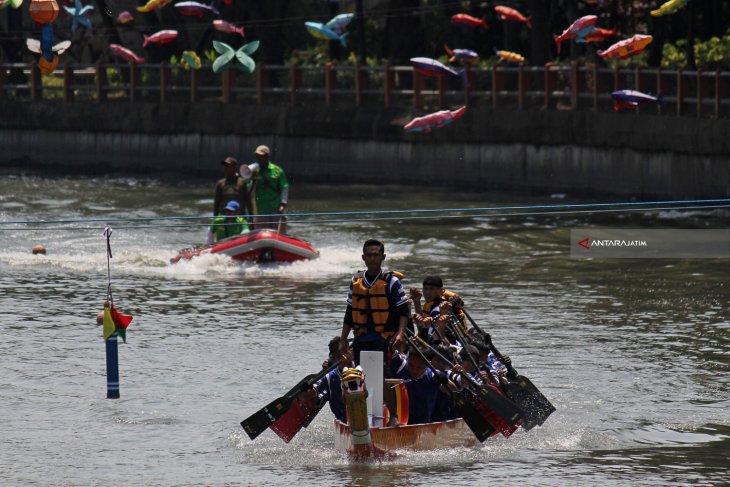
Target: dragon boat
(367,435)
(263,245)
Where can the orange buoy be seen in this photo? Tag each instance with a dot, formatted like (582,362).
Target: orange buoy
(39,249)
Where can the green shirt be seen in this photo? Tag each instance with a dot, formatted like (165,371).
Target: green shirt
(221,230)
(268,189)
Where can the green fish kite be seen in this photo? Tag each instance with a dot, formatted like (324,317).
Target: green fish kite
(230,58)
(669,8)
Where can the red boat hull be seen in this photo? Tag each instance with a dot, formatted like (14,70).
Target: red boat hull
(256,246)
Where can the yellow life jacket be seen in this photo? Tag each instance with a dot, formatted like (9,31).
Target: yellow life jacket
(445,296)
(370,306)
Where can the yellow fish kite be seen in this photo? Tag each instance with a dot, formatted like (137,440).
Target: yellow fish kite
(669,8)
(152,5)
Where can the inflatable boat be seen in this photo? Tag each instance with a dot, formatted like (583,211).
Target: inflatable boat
(257,246)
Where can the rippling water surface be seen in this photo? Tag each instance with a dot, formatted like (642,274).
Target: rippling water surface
(634,354)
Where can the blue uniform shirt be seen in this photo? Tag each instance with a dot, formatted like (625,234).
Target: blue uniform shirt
(329,389)
(421,391)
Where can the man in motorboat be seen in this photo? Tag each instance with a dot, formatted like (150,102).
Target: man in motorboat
(233,188)
(271,190)
(230,225)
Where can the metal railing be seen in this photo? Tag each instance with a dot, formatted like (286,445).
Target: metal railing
(551,87)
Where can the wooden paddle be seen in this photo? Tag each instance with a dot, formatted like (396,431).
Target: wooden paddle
(262,419)
(465,403)
(537,407)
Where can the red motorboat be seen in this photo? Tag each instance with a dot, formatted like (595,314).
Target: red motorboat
(257,246)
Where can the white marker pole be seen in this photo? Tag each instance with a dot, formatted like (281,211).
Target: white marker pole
(372,365)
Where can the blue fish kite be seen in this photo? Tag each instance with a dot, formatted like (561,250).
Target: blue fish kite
(77,15)
(332,30)
(465,56)
(633,99)
(430,67)
(232,58)
(339,23)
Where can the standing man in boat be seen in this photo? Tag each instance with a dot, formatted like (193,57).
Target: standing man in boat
(377,306)
(272,190)
(232,188)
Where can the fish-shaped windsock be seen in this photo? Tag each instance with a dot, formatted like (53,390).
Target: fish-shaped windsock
(627,47)
(507,13)
(161,37)
(228,28)
(152,5)
(633,99)
(196,8)
(599,35)
(190,60)
(430,67)
(125,17)
(669,8)
(464,56)
(319,30)
(465,19)
(577,30)
(509,56)
(339,23)
(125,54)
(434,120)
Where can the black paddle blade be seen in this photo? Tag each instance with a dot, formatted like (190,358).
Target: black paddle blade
(259,421)
(505,409)
(481,428)
(537,406)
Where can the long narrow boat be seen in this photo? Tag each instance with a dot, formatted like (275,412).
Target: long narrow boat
(258,245)
(430,436)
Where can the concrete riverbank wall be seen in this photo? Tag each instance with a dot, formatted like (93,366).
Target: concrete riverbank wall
(632,155)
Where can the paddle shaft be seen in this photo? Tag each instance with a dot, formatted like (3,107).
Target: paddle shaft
(459,336)
(494,350)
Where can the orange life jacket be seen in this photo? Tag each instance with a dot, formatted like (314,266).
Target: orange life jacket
(445,296)
(370,306)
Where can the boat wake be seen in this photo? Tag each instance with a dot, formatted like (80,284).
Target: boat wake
(146,259)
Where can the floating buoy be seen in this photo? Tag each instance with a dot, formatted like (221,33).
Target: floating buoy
(39,249)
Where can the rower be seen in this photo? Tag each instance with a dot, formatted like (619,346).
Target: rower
(329,388)
(421,382)
(437,308)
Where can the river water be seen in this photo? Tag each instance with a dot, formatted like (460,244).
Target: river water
(634,354)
